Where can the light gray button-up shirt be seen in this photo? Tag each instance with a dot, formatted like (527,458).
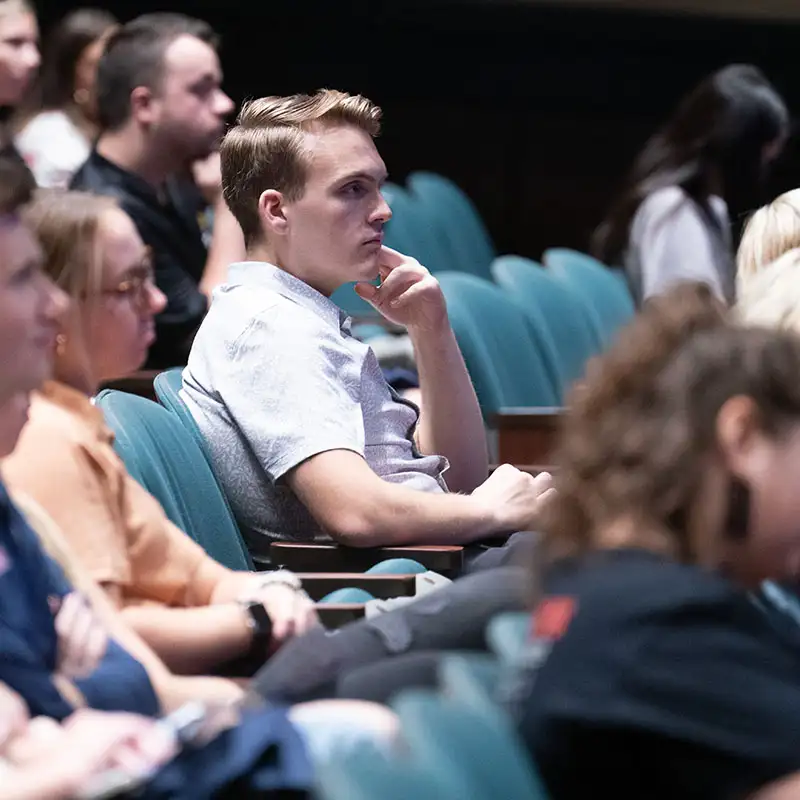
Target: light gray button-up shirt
(274,378)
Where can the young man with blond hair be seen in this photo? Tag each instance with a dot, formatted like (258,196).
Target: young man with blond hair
(307,437)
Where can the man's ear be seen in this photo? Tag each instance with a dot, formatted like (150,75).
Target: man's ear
(143,105)
(738,434)
(272,211)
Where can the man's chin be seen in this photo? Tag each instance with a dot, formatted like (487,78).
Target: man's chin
(370,269)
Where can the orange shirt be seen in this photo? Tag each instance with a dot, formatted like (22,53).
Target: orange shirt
(66,462)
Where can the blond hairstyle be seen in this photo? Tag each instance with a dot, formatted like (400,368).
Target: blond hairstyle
(771,298)
(264,150)
(67,225)
(770,232)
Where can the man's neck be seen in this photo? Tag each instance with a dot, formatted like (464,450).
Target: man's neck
(262,252)
(129,150)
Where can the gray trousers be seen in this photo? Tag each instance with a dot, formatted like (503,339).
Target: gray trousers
(451,618)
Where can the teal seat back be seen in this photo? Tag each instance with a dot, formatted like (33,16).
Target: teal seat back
(555,313)
(605,290)
(413,231)
(346,298)
(471,679)
(455,214)
(398,233)
(167,386)
(507,635)
(165,458)
(367,773)
(477,753)
(505,363)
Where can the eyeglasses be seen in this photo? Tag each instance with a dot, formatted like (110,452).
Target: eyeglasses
(135,289)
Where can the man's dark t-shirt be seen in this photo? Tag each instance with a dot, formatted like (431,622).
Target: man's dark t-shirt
(650,679)
(168,223)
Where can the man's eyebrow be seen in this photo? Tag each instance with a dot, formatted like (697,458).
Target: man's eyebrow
(364,175)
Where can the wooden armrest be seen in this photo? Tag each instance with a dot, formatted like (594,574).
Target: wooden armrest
(333,615)
(261,563)
(318,584)
(445,559)
(526,435)
(531,469)
(138,383)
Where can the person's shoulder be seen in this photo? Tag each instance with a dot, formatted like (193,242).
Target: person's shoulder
(59,425)
(261,311)
(99,176)
(619,586)
(242,316)
(663,201)
(48,123)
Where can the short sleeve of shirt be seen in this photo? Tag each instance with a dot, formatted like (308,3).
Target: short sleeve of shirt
(291,409)
(698,700)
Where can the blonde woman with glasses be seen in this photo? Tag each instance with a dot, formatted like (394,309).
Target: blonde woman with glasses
(196,614)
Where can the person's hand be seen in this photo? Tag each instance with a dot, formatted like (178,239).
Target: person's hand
(13,716)
(515,499)
(408,295)
(219,716)
(207,174)
(91,742)
(292,612)
(82,638)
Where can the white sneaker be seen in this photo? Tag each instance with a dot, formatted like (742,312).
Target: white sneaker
(427,582)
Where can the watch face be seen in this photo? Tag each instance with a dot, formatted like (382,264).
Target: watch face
(263,624)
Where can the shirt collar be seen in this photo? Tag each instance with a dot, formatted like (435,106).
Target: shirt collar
(260,273)
(79,405)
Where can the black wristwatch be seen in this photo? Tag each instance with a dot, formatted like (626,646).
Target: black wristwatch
(260,625)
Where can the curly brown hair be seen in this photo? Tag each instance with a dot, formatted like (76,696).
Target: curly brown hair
(640,427)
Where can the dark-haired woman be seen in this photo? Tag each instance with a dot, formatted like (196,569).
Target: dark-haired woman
(671,222)
(652,671)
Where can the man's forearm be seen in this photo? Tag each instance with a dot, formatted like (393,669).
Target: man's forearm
(395,515)
(192,641)
(451,423)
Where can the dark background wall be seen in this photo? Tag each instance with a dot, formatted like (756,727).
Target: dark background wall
(535,111)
